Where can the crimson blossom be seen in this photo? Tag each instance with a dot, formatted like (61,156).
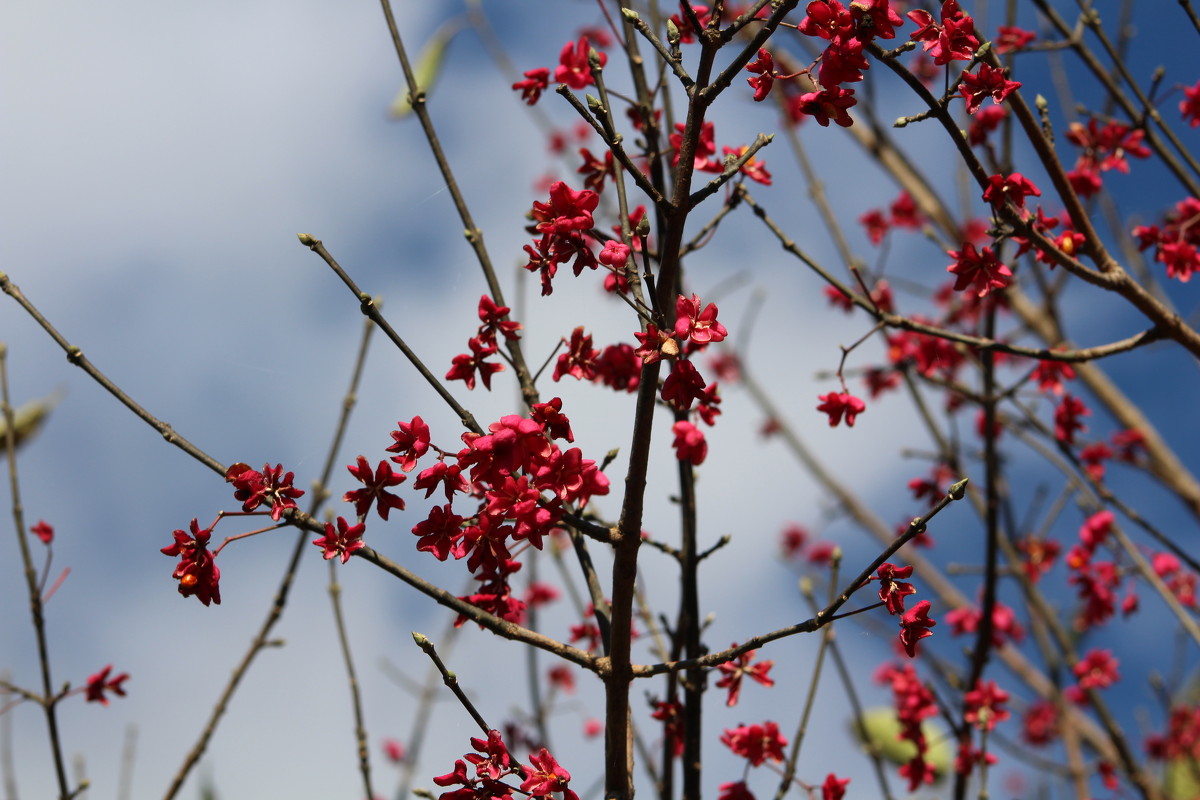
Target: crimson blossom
(837,404)
(197,571)
(343,541)
(100,683)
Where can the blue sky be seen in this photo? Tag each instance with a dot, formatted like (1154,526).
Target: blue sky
(159,161)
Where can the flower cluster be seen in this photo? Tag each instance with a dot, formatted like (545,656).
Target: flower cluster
(564,222)
(197,571)
(521,483)
(573,70)
(914,703)
(270,487)
(493,319)
(544,778)
(1104,147)
(1176,240)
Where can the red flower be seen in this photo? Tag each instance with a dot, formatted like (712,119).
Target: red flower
(494,320)
(573,69)
(753,169)
(549,415)
(1016,187)
(580,359)
(734,791)
(100,683)
(377,483)
(463,366)
(1009,39)
(566,210)
(441,533)
(1050,375)
(834,788)
(953,40)
(756,743)
(987,82)
(827,105)
(410,441)
(701,326)
(1039,726)
(837,404)
(892,591)
(705,148)
(536,81)
(43,531)
(984,705)
(1189,106)
(1097,670)
(343,541)
(1066,419)
(547,776)
(982,271)
(914,626)
(270,486)
(595,170)
(689,443)
(197,570)
(763,68)
(986,120)
(394,750)
(732,673)
(683,385)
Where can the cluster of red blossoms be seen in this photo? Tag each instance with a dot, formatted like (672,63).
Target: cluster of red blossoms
(493,319)
(915,622)
(1176,240)
(523,483)
(541,780)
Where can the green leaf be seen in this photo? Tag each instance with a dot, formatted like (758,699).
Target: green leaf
(429,64)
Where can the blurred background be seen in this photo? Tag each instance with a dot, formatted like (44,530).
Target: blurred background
(159,160)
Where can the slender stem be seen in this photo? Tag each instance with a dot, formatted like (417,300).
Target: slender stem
(49,701)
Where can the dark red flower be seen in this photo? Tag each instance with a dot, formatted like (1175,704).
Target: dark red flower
(733,671)
(834,788)
(981,271)
(100,683)
(892,591)
(986,82)
(270,486)
(536,81)
(1012,188)
(410,441)
(580,359)
(547,777)
(197,571)
(763,68)
(376,488)
(914,626)
(756,743)
(343,541)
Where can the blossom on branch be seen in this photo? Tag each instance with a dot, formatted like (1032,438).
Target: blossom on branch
(838,404)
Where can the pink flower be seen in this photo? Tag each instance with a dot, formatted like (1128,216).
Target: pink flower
(100,683)
(837,404)
(1097,670)
(566,210)
(700,326)
(394,750)
(343,541)
(689,444)
(683,386)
